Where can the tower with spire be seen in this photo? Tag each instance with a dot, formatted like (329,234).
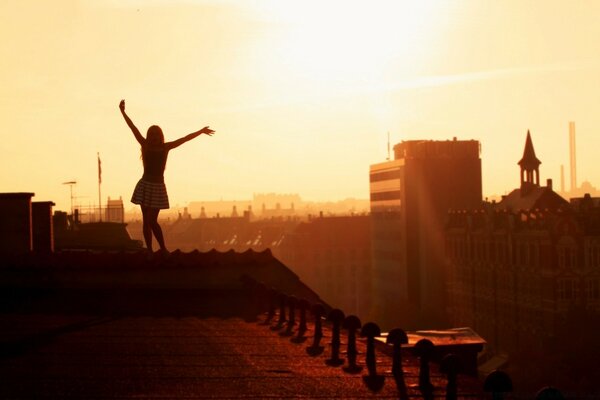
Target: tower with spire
(531,195)
(530,167)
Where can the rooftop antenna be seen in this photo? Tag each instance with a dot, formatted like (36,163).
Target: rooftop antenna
(388,146)
(71,183)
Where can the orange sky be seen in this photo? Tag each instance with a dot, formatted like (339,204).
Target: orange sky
(301,94)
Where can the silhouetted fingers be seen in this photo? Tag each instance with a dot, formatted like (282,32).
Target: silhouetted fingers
(207,131)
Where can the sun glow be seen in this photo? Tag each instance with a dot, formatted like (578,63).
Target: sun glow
(335,43)
(301,93)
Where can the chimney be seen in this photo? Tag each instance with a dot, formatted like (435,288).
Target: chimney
(549,183)
(573,158)
(42,226)
(16,233)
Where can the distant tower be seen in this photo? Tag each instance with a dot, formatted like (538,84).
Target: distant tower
(530,166)
(388,147)
(234,213)
(572,156)
(202,213)
(562,178)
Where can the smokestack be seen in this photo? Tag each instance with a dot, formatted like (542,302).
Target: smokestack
(562,178)
(573,156)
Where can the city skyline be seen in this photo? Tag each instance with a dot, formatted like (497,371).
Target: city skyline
(311,91)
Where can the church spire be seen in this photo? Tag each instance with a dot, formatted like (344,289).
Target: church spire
(530,164)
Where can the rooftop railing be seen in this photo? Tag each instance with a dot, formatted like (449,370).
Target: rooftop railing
(265,301)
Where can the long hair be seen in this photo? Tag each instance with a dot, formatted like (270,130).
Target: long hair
(155,136)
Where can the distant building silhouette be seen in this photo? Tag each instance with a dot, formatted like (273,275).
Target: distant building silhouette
(270,200)
(575,190)
(333,256)
(223,233)
(530,195)
(410,197)
(517,267)
(586,187)
(74,232)
(275,205)
(114,211)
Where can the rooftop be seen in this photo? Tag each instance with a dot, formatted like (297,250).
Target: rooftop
(535,197)
(79,356)
(117,325)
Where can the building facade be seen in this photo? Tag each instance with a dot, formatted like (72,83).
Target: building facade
(518,267)
(410,197)
(114,211)
(333,256)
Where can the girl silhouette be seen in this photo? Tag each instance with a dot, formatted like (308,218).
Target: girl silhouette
(150,192)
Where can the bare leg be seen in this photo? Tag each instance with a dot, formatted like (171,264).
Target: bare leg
(153,212)
(147,227)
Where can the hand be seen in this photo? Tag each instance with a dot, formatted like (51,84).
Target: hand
(207,131)
(122,105)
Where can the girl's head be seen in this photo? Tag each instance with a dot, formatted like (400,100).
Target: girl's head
(155,136)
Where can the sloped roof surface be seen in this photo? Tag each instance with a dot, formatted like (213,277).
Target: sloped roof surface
(117,325)
(539,197)
(167,358)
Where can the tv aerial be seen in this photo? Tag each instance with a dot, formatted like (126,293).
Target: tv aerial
(71,184)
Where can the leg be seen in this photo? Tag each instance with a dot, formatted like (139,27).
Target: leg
(147,227)
(156,228)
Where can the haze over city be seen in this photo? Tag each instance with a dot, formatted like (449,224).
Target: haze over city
(301,94)
(362,199)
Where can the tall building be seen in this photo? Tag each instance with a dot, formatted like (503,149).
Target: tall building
(410,197)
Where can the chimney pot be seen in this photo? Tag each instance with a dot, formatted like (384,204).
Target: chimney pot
(336,316)
(316,349)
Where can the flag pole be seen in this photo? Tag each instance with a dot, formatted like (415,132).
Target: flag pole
(99,190)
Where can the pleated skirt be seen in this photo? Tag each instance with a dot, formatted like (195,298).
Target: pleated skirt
(150,194)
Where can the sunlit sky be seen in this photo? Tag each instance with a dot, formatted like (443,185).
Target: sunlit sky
(301,94)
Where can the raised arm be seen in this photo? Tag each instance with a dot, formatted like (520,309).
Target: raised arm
(134,129)
(175,143)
